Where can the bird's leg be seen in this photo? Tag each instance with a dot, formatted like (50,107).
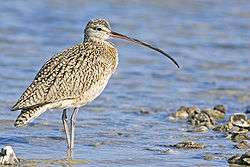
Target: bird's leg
(73,124)
(66,128)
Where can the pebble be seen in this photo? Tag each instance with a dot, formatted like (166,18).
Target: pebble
(243,145)
(188,145)
(201,119)
(243,159)
(8,156)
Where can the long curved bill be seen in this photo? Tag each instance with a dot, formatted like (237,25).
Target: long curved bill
(121,36)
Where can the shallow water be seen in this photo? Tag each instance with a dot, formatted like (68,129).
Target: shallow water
(209,39)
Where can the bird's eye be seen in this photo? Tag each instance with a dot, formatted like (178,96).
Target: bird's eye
(98,29)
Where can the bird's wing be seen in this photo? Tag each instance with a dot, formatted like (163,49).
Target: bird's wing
(65,76)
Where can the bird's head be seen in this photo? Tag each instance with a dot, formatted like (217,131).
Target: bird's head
(101,30)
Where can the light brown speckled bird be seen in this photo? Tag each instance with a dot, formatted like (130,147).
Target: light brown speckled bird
(74,77)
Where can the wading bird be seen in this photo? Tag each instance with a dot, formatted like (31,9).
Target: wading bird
(74,77)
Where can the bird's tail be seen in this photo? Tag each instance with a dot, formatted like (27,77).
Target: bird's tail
(28,115)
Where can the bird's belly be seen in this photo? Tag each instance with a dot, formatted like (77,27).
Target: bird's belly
(92,93)
(86,96)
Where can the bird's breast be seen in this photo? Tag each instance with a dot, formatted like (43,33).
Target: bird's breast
(113,53)
(115,59)
(109,57)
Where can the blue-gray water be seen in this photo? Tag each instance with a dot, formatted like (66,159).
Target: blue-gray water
(209,39)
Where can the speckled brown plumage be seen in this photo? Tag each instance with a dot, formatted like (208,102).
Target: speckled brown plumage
(69,74)
(73,77)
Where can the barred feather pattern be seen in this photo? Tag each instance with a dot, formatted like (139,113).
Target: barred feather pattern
(76,75)
(28,115)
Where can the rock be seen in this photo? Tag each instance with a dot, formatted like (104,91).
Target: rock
(183,112)
(238,134)
(188,145)
(214,114)
(244,159)
(161,150)
(240,120)
(193,113)
(237,137)
(218,112)
(200,129)
(145,111)
(237,121)
(214,156)
(209,157)
(223,128)
(199,119)
(234,159)
(237,130)
(220,108)
(8,156)
(243,145)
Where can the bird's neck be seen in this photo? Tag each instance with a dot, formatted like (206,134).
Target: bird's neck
(99,41)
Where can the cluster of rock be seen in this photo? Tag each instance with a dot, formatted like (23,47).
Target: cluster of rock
(201,120)
(236,128)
